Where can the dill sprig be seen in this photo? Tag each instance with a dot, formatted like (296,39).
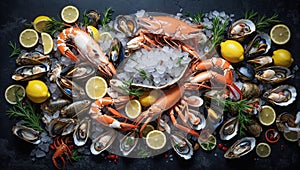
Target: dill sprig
(218,31)
(107,16)
(55,26)
(197,18)
(128,89)
(261,22)
(26,113)
(16,50)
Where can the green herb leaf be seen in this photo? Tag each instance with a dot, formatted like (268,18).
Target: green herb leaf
(218,29)
(128,89)
(75,156)
(54,26)
(85,19)
(197,18)
(107,16)
(261,22)
(16,50)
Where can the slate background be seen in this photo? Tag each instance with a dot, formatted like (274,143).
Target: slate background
(14,153)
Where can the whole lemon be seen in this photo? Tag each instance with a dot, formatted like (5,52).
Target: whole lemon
(232,51)
(282,57)
(37,91)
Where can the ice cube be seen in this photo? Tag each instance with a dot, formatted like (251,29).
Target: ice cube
(39,153)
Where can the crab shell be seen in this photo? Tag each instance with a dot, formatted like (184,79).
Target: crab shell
(240,148)
(287,91)
(28,134)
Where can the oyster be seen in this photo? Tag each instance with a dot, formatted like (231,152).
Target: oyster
(250,90)
(116,52)
(229,129)
(181,146)
(93,17)
(261,61)
(196,120)
(246,72)
(254,128)
(125,24)
(32,58)
(27,134)
(75,108)
(59,126)
(285,120)
(273,74)
(103,141)
(195,101)
(240,148)
(260,45)
(128,142)
(30,72)
(70,88)
(240,29)
(51,106)
(282,95)
(79,72)
(82,132)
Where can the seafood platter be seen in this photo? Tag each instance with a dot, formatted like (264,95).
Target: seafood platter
(138,85)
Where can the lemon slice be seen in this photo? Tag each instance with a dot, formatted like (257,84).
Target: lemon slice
(147,99)
(12,91)
(28,38)
(156,139)
(69,14)
(96,87)
(105,36)
(280,34)
(267,115)
(263,150)
(209,144)
(291,136)
(40,23)
(133,109)
(47,42)
(93,32)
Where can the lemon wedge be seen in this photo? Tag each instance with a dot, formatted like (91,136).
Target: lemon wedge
(47,42)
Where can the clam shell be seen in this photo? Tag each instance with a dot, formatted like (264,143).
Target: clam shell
(273,74)
(103,141)
(240,29)
(181,146)
(240,148)
(229,129)
(28,134)
(129,142)
(260,45)
(82,132)
(288,91)
(58,126)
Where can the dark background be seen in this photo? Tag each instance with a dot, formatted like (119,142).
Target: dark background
(15,154)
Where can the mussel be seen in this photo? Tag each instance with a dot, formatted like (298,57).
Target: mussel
(51,106)
(116,52)
(240,29)
(240,148)
(28,134)
(33,58)
(229,129)
(128,142)
(75,108)
(273,74)
(282,95)
(285,120)
(70,88)
(103,141)
(260,45)
(30,72)
(82,132)
(181,146)
(125,24)
(79,71)
(250,90)
(261,61)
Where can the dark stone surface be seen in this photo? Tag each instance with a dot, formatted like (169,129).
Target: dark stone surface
(15,154)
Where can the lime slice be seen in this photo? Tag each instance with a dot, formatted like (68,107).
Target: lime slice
(263,150)
(47,42)
(69,14)
(13,92)
(267,115)
(156,139)
(209,144)
(28,38)
(96,87)
(280,34)
(40,23)
(291,136)
(133,109)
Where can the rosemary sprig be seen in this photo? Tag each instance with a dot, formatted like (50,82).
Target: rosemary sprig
(197,18)
(218,29)
(85,19)
(261,22)
(128,89)
(54,26)
(107,16)
(16,50)
(26,113)
(251,15)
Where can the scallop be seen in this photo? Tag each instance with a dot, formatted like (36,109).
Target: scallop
(103,141)
(229,129)
(240,148)
(282,95)
(273,74)
(28,134)
(82,132)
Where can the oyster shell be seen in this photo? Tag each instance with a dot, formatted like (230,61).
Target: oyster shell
(32,58)
(181,146)
(195,101)
(128,142)
(70,88)
(240,148)
(103,141)
(250,90)
(273,74)
(30,72)
(260,45)
(82,132)
(51,106)
(75,108)
(125,24)
(254,128)
(197,120)
(240,29)
(116,52)
(229,129)
(28,134)
(79,72)
(93,17)
(59,126)
(282,95)
(246,72)
(285,120)
(261,61)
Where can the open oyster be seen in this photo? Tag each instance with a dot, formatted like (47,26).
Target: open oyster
(30,72)
(82,132)
(181,146)
(240,148)
(282,95)
(27,134)
(128,142)
(103,141)
(229,129)
(240,29)
(273,74)
(260,45)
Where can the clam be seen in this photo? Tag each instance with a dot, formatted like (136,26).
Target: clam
(246,72)
(32,58)
(59,126)
(28,134)
(128,142)
(93,17)
(229,129)
(82,132)
(240,148)
(70,88)
(125,24)
(273,74)
(116,52)
(285,120)
(103,141)
(250,90)
(261,61)
(260,45)
(181,146)
(79,71)
(240,29)
(282,95)
(30,72)
(75,108)
(254,128)
(51,106)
